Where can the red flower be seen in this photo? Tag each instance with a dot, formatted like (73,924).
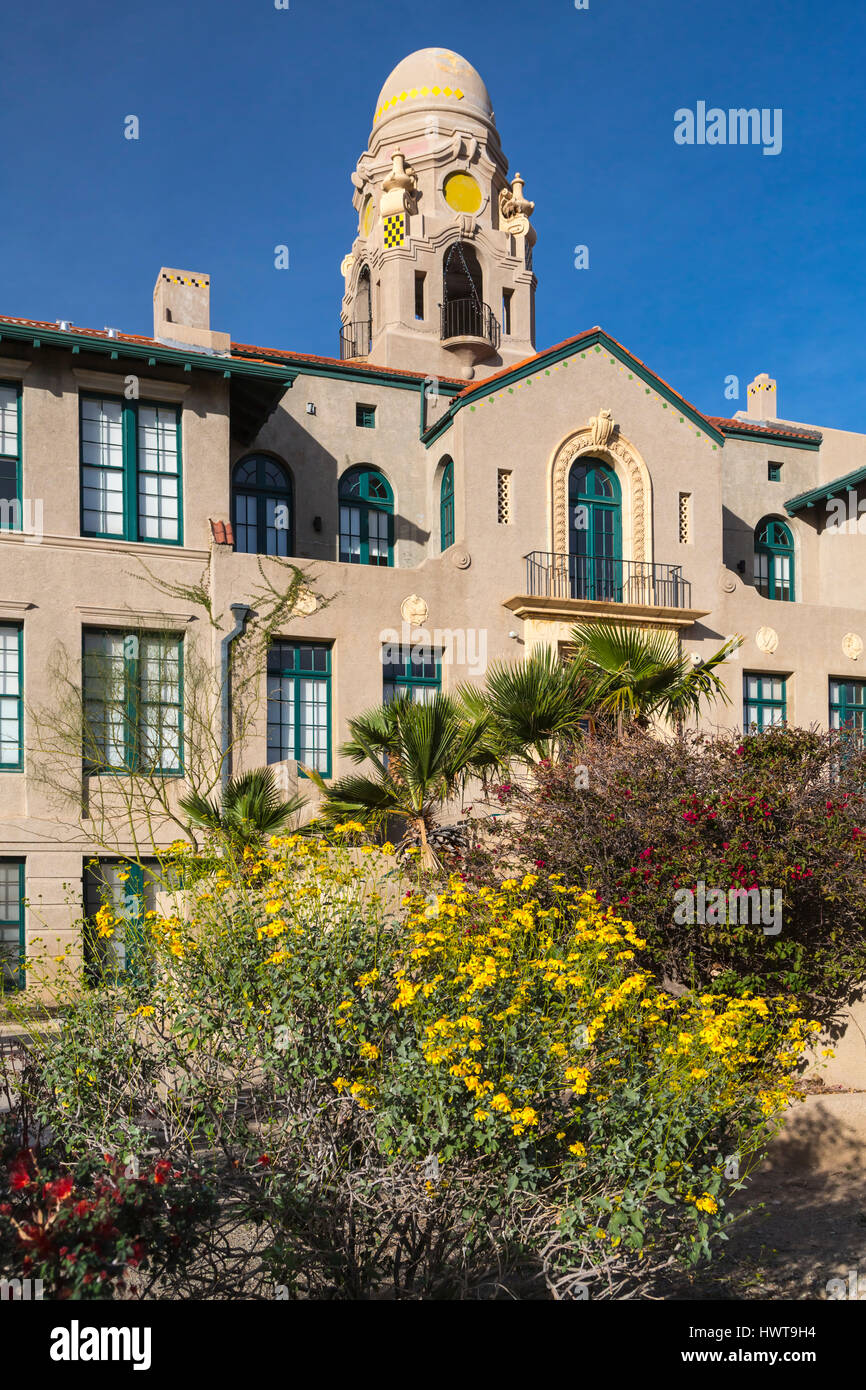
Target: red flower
(59,1189)
(264,1161)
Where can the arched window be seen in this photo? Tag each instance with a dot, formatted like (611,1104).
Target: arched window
(594,531)
(366,517)
(446,506)
(774,560)
(262,506)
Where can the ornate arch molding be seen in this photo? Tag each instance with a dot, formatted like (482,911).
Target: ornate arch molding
(601,438)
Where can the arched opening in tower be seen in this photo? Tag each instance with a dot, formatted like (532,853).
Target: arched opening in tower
(364,306)
(463,308)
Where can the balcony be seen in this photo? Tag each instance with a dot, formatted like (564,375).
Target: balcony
(356,339)
(469,318)
(470,331)
(572,588)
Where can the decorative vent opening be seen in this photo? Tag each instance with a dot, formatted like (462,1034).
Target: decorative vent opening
(503,496)
(685,518)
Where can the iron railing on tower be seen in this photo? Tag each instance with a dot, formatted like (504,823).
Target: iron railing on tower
(469,318)
(356,339)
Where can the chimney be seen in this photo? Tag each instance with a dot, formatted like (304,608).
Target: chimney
(181,311)
(761,398)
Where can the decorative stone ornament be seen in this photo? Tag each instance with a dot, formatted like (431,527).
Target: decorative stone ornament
(305,603)
(515,210)
(766,639)
(461,559)
(601,429)
(414,610)
(399,188)
(852,646)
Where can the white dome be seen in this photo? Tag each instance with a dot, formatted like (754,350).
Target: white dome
(433,79)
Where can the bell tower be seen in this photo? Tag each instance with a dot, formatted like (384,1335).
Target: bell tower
(439,279)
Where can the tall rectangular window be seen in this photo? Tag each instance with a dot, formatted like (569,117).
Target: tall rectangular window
(506,311)
(10,456)
(130,470)
(774,472)
(411,670)
(130,890)
(848,706)
(11,924)
(419,294)
(11,703)
(764,700)
(299,704)
(132,703)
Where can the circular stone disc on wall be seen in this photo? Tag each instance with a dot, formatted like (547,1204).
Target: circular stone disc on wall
(766,639)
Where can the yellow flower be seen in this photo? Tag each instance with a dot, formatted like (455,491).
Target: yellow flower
(143,1011)
(273,905)
(369,1051)
(578,1149)
(707,1203)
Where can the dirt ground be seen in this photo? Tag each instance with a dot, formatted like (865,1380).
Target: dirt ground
(810,1225)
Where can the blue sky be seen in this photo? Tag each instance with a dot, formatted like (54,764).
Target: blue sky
(705,261)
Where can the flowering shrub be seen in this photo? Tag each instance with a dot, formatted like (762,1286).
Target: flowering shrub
(82,1232)
(415,1092)
(783,812)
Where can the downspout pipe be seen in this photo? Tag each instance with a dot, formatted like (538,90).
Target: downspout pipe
(241,612)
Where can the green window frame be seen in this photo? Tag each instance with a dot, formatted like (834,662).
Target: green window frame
(594,531)
(765,700)
(12,938)
(261,486)
(365,417)
(366,517)
(848,706)
(10,456)
(414,670)
(299,704)
(11,697)
(446,506)
(774,472)
(131,470)
(774,560)
(130,889)
(133,702)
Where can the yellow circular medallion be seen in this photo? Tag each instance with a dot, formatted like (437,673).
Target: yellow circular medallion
(462,193)
(367,216)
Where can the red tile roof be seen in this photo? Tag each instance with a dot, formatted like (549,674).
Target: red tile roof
(222,532)
(770,428)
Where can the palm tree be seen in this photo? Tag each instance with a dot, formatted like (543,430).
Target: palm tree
(251,809)
(640,676)
(534,706)
(418,756)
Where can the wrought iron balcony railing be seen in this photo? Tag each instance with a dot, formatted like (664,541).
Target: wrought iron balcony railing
(469,318)
(356,339)
(549,575)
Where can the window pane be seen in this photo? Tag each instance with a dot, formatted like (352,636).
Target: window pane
(11,921)
(9,420)
(350,535)
(102,466)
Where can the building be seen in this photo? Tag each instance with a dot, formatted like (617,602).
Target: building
(441,483)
